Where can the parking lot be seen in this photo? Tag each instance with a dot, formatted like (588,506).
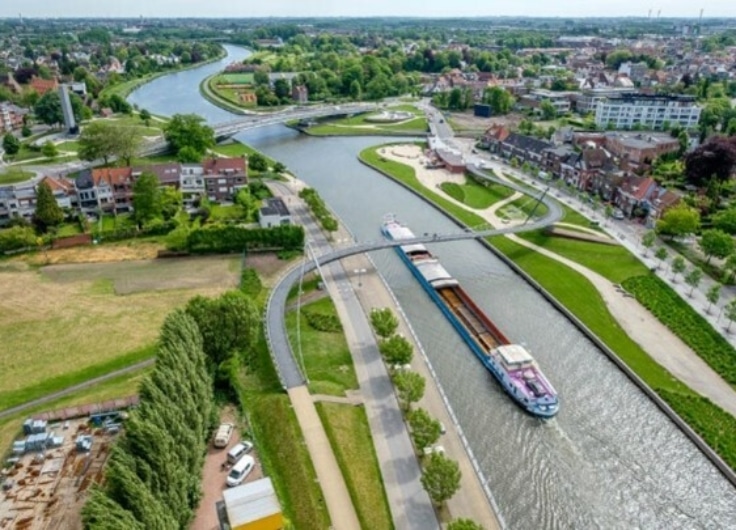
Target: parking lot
(215,474)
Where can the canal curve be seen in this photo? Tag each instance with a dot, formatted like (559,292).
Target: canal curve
(610,459)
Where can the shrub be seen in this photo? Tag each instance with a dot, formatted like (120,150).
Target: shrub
(231,238)
(322,322)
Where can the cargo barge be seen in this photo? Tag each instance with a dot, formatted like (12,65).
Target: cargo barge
(511,364)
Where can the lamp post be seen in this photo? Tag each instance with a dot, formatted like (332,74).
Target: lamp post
(359,272)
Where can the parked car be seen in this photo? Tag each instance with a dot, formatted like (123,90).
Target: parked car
(240,471)
(618,215)
(242,448)
(223,434)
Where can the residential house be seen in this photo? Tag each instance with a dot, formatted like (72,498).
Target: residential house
(300,94)
(559,100)
(41,86)
(223,177)
(274,213)
(105,190)
(661,200)
(17,200)
(524,149)
(63,190)
(637,151)
(11,116)
(634,192)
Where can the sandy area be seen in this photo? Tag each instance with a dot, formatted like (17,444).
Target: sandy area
(653,336)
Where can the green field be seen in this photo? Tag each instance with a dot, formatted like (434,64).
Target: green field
(236,79)
(350,436)
(476,196)
(79,327)
(360,125)
(327,359)
(14,175)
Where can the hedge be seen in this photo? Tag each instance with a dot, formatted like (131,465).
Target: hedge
(319,209)
(685,322)
(221,239)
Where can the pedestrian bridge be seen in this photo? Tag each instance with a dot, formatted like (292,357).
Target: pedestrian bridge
(284,359)
(264,119)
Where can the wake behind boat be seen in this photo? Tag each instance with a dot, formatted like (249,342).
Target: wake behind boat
(511,364)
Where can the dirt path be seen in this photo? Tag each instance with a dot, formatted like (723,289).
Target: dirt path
(654,337)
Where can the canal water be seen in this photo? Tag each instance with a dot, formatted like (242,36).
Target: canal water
(610,459)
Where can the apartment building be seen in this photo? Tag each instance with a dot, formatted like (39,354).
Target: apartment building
(11,117)
(648,111)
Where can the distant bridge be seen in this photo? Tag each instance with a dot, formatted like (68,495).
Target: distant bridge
(285,361)
(253,120)
(264,119)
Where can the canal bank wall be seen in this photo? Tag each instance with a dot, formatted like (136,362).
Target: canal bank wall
(717,461)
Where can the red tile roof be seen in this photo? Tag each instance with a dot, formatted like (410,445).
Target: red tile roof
(223,165)
(57,184)
(41,86)
(112,175)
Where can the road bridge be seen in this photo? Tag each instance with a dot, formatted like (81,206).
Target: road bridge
(286,363)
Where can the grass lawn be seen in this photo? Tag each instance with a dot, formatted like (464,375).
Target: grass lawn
(574,217)
(149,160)
(522,208)
(121,386)
(232,212)
(476,195)
(14,175)
(280,442)
(611,261)
(238,79)
(59,329)
(350,437)
(69,229)
(327,359)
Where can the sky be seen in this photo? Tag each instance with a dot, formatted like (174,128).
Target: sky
(358,8)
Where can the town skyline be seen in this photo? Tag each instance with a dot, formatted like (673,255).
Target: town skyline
(410,8)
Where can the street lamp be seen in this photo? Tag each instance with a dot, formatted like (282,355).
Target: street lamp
(359,272)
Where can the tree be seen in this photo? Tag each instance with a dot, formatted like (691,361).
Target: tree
(713,294)
(26,131)
(189,130)
(647,240)
(145,117)
(11,144)
(730,313)
(425,430)
(278,167)
(716,157)
(384,322)
(716,243)
(48,108)
(549,112)
(725,220)
(678,266)
(146,198)
(441,478)
(103,140)
(257,162)
(48,212)
(693,279)
(49,150)
(499,99)
(228,324)
(409,387)
(16,238)
(464,524)
(678,221)
(171,202)
(189,155)
(661,255)
(396,350)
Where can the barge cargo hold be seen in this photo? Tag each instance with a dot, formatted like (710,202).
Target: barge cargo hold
(511,364)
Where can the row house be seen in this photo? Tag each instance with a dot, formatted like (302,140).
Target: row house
(19,200)
(110,190)
(634,192)
(512,145)
(633,151)
(11,117)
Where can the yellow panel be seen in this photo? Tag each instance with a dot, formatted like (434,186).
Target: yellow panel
(272,522)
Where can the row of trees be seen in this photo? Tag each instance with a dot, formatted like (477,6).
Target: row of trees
(154,470)
(319,209)
(440,475)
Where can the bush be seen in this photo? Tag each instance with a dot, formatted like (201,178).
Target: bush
(17,238)
(319,209)
(322,322)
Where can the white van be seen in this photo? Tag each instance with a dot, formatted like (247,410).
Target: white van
(240,471)
(238,450)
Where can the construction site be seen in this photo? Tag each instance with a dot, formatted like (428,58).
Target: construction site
(46,480)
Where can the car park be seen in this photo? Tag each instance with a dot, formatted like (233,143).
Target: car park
(223,434)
